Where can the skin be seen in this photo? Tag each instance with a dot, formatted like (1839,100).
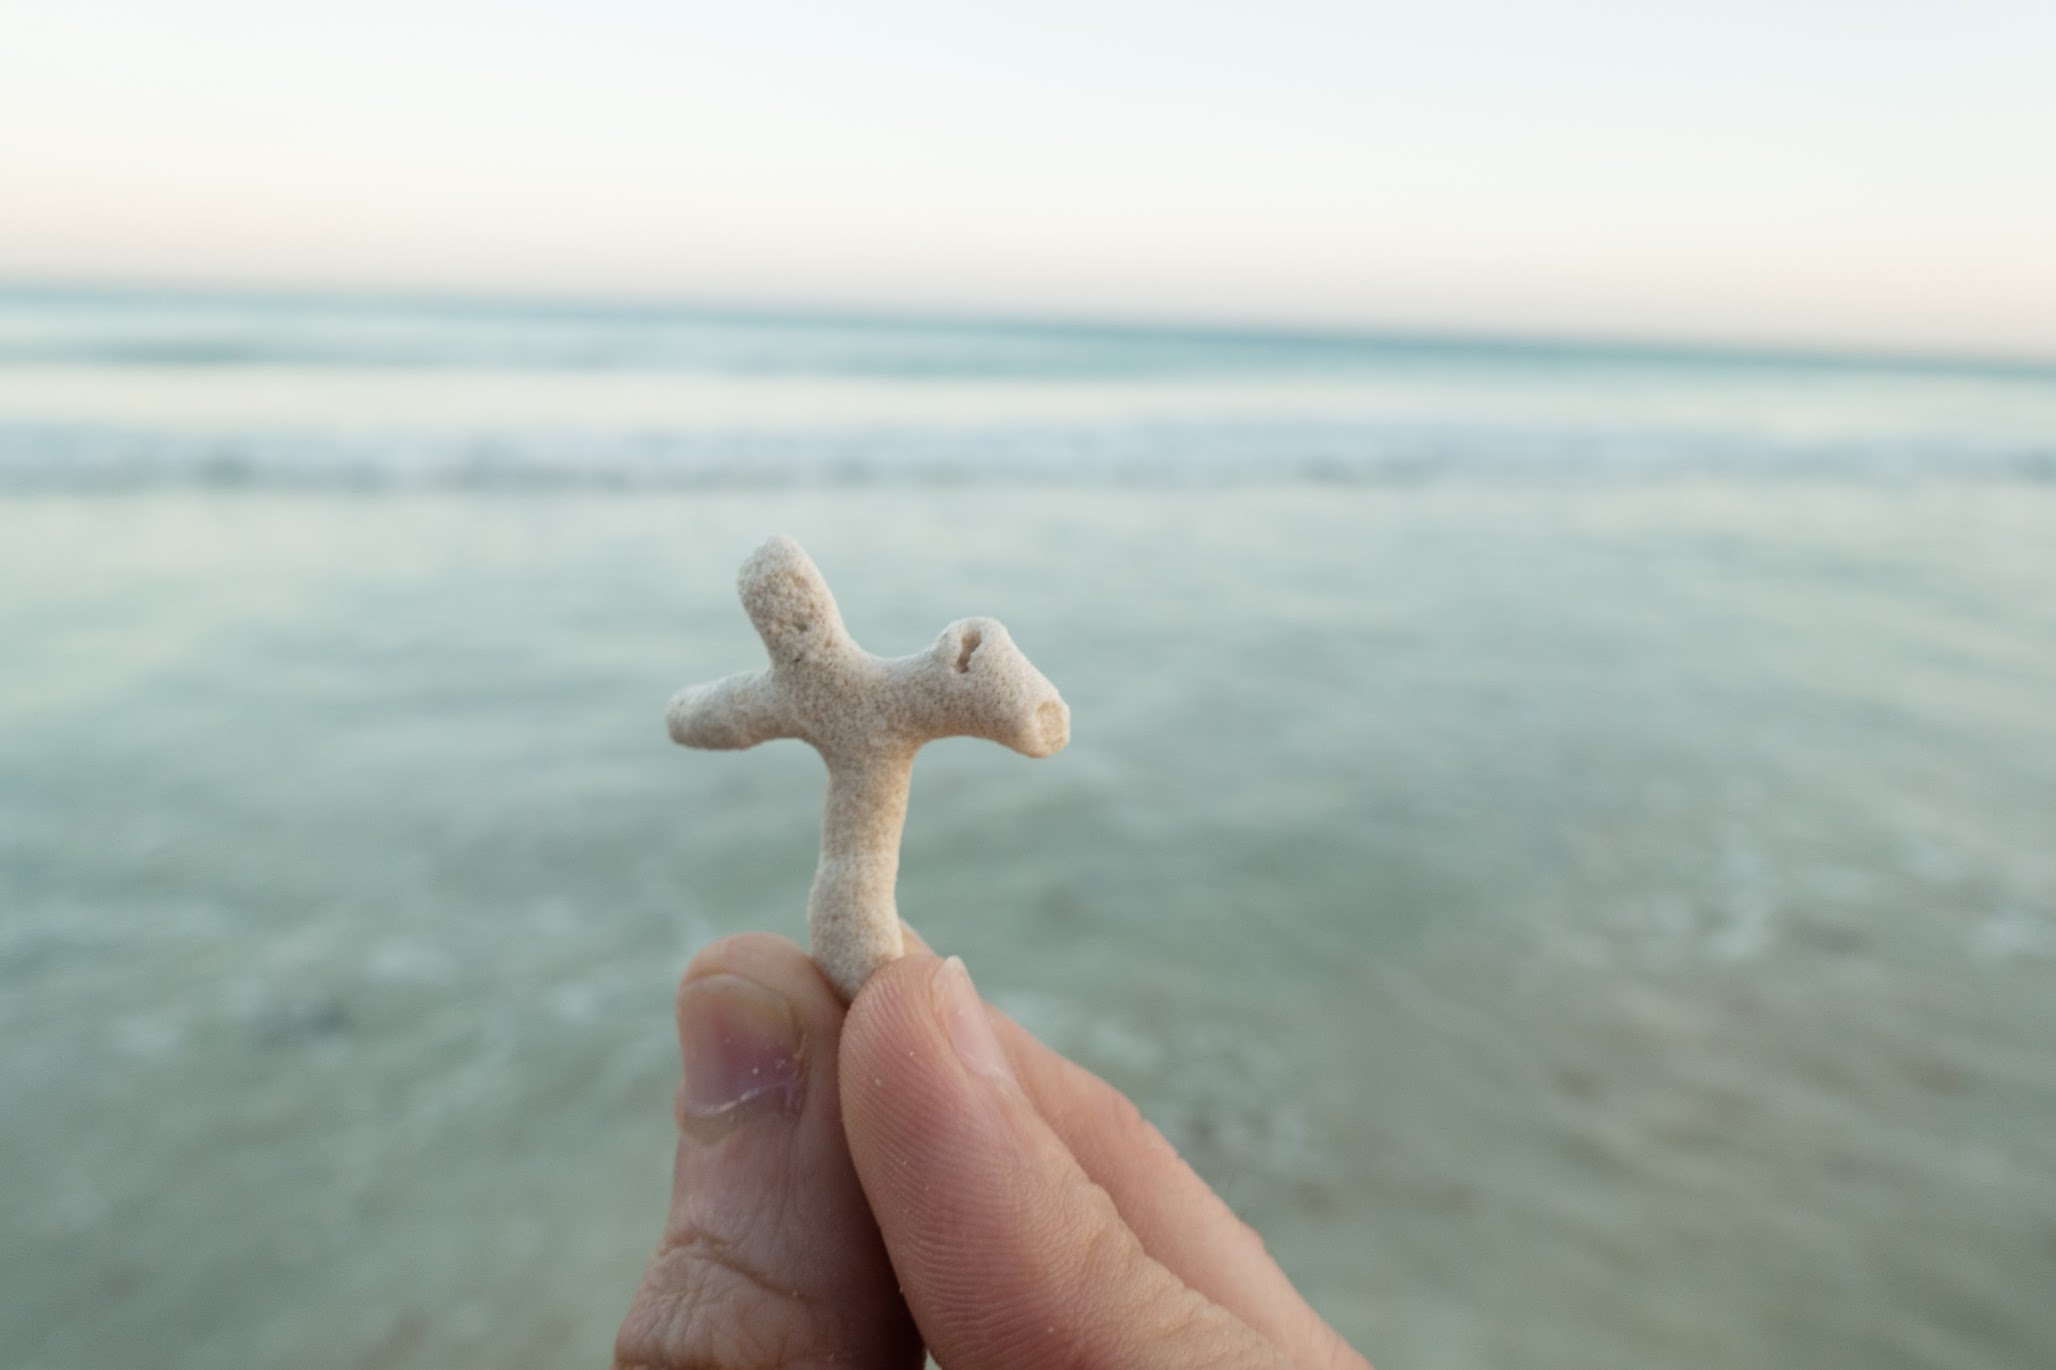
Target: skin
(916,1172)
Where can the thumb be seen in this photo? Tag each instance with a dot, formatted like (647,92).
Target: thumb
(769,1256)
(1008,1254)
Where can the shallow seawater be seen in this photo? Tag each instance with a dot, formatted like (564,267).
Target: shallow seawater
(1562,842)
(1579,925)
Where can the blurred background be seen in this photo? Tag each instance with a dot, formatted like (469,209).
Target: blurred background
(1546,520)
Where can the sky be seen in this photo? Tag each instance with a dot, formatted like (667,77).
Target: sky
(1871,175)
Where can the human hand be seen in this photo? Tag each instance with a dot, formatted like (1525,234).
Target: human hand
(918,1167)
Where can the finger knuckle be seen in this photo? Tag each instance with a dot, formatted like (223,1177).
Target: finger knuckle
(1156,1310)
(1118,1117)
(706,1306)
(1107,1251)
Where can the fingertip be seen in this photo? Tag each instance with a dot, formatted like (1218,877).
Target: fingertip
(774,962)
(891,1045)
(909,1105)
(883,1004)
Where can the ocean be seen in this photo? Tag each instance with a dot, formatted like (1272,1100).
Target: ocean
(1562,837)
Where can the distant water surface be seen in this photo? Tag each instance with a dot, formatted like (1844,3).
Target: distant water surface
(125,391)
(1562,840)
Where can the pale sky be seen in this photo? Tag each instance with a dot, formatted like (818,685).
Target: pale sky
(1836,173)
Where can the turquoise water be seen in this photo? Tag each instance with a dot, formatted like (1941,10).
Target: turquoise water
(1562,840)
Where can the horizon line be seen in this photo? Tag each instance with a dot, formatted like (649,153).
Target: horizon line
(1222,328)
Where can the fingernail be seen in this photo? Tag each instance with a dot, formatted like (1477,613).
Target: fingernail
(741,1047)
(970,1031)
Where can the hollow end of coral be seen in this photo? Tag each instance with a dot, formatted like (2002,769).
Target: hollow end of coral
(1047,729)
